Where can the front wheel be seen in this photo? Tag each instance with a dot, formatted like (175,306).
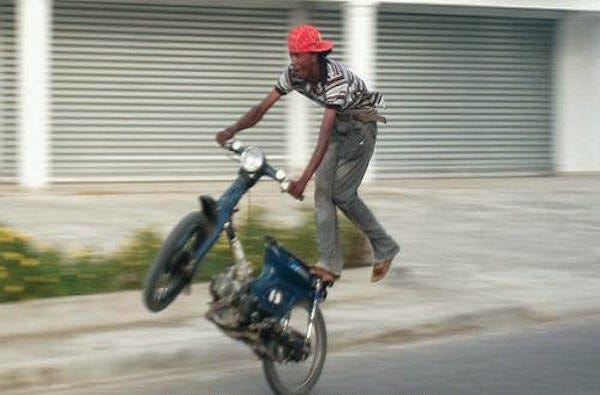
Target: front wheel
(294,378)
(173,266)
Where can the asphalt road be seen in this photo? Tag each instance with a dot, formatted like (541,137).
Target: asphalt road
(546,359)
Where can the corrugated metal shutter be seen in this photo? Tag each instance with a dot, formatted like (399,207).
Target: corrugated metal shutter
(329,21)
(465,95)
(8,93)
(139,89)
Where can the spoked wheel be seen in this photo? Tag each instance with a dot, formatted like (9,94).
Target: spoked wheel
(171,270)
(299,377)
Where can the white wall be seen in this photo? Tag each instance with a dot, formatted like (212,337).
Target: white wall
(33,29)
(577,94)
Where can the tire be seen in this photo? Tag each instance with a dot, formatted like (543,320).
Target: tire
(166,277)
(274,370)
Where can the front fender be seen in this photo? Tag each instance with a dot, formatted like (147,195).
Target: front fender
(209,208)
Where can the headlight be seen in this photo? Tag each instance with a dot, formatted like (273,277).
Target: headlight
(252,159)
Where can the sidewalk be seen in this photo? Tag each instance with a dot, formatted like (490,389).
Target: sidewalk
(476,255)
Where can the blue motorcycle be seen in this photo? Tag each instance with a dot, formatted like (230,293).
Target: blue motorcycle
(277,313)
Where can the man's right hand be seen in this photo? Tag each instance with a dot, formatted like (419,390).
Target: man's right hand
(223,136)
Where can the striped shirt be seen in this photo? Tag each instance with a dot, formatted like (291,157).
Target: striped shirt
(343,90)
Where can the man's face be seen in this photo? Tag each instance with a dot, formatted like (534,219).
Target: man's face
(304,63)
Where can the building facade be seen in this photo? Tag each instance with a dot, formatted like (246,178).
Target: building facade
(132,90)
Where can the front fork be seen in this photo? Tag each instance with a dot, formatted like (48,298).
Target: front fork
(242,269)
(239,273)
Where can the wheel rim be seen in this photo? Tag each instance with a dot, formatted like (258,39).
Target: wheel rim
(295,376)
(172,277)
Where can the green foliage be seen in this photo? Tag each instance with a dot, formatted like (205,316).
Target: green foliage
(28,271)
(302,240)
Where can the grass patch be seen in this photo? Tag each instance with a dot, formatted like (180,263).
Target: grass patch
(29,272)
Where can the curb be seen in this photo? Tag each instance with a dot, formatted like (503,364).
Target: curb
(108,365)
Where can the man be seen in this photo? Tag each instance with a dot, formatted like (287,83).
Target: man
(343,151)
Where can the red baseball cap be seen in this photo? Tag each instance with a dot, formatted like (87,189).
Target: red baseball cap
(307,38)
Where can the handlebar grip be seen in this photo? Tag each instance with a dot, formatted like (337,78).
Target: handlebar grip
(234,145)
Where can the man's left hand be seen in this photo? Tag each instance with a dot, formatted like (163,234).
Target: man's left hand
(296,189)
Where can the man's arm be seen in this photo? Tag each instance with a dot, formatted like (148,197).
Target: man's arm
(249,119)
(297,187)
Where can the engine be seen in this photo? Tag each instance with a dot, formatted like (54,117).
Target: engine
(237,312)
(233,304)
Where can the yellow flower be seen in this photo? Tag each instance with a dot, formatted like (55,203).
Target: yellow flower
(14,289)
(81,254)
(5,231)
(29,262)
(6,238)
(10,235)
(12,256)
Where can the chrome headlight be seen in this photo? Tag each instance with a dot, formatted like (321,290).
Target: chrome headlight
(252,159)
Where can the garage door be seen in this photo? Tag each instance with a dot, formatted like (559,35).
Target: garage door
(465,95)
(139,89)
(8,76)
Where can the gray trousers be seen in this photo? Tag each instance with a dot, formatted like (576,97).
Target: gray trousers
(336,185)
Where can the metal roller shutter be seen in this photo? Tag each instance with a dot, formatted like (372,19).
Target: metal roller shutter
(139,89)
(8,93)
(465,95)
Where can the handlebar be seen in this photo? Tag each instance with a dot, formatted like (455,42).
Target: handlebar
(252,155)
(234,145)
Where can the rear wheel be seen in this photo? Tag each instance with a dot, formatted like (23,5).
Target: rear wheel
(173,266)
(293,378)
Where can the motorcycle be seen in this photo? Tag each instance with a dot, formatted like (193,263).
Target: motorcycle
(276,314)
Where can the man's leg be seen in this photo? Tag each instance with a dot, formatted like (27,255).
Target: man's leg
(326,215)
(349,175)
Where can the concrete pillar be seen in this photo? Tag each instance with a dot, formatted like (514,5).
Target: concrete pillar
(297,114)
(577,102)
(33,35)
(360,35)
